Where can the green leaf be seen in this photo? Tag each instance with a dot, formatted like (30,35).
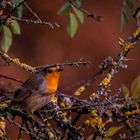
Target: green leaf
(6,38)
(79,14)
(14,2)
(130,4)
(112,130)
(125,15)
(72,25)
(124,18)
(135,87)
(15,27)
(125,91)
(19,9)
(64,9)
(78,3)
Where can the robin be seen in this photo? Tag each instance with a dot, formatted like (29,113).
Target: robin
(38,90)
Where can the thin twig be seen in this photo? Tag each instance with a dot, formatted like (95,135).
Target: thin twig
(52,25)
(11,78)
(20,131)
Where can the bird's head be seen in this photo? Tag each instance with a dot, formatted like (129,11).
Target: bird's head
(52,79)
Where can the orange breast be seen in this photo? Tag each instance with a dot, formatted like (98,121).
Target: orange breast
(52,82)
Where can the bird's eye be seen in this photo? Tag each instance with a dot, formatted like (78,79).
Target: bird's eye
(49,71)
(58,70)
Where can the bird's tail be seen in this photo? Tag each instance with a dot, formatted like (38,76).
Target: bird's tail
(6,96)
(7,99)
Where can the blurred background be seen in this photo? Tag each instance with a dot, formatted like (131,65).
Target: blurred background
(94,41)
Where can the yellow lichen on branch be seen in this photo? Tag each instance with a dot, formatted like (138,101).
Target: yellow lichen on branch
(2,128)
(94,121)
(126,46)
(80,90)
(17,62)
(137,33)
(106,81)
(131,113)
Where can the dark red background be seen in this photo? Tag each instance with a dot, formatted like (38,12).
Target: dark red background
(94,41)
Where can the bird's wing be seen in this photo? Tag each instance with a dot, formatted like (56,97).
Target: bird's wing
(29,87)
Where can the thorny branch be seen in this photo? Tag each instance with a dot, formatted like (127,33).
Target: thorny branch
(100,107)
